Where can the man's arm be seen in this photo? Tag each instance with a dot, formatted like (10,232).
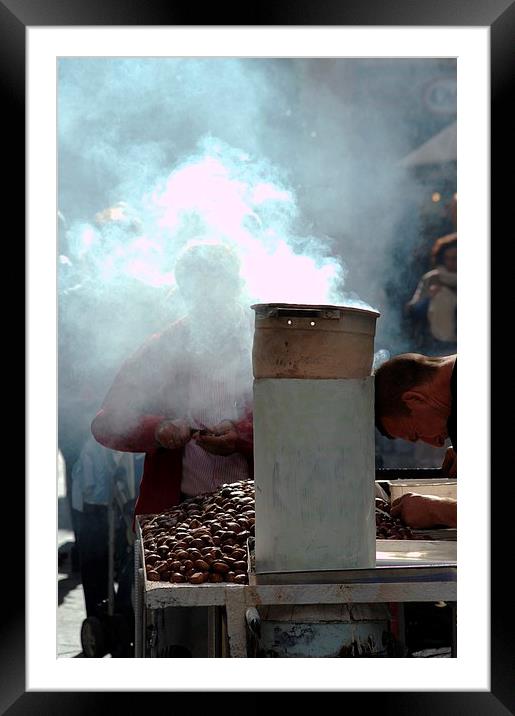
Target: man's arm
(245,430)
(131,411)
(425,511)
(450,463)
(229,437)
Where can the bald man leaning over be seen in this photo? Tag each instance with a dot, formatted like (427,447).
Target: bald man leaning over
(415,399)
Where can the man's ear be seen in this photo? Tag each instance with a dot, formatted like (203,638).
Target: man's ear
(413,400)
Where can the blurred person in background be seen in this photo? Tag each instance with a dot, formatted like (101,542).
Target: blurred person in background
(72,428)
(95,475)
(102,490)
(433,306)
(93,293)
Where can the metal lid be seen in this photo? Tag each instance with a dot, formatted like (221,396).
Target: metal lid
(274,310)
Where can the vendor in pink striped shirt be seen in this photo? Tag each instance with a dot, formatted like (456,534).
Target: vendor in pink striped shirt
(185,397)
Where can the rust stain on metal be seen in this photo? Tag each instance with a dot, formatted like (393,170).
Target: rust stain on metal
(345,589)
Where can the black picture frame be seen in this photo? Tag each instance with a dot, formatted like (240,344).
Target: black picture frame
(15,17)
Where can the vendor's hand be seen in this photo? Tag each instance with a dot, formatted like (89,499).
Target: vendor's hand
(221,440)
(173,434)
(424,511)
(449,465)
(434,289)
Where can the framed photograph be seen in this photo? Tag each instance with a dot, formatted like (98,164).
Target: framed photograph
(128,114)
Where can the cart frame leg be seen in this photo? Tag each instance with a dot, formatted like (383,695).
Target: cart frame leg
(214,632)
(139,606)
(454,629)
(235,608)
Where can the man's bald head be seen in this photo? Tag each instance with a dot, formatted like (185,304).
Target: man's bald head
(395,378)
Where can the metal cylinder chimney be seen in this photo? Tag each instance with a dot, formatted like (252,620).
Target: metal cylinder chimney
(314,457)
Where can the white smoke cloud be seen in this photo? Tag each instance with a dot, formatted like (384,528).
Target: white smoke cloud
(289,160)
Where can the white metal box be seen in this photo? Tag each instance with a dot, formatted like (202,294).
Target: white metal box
(314,474)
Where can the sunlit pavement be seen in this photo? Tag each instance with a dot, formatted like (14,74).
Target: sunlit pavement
(70,599)
(70,611)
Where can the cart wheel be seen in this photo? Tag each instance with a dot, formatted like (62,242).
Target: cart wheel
(92,638)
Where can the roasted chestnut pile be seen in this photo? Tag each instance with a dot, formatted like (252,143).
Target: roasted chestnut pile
(388,527)
(204,539)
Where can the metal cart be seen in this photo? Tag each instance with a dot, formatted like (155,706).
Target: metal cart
(237,611)
(242,617)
